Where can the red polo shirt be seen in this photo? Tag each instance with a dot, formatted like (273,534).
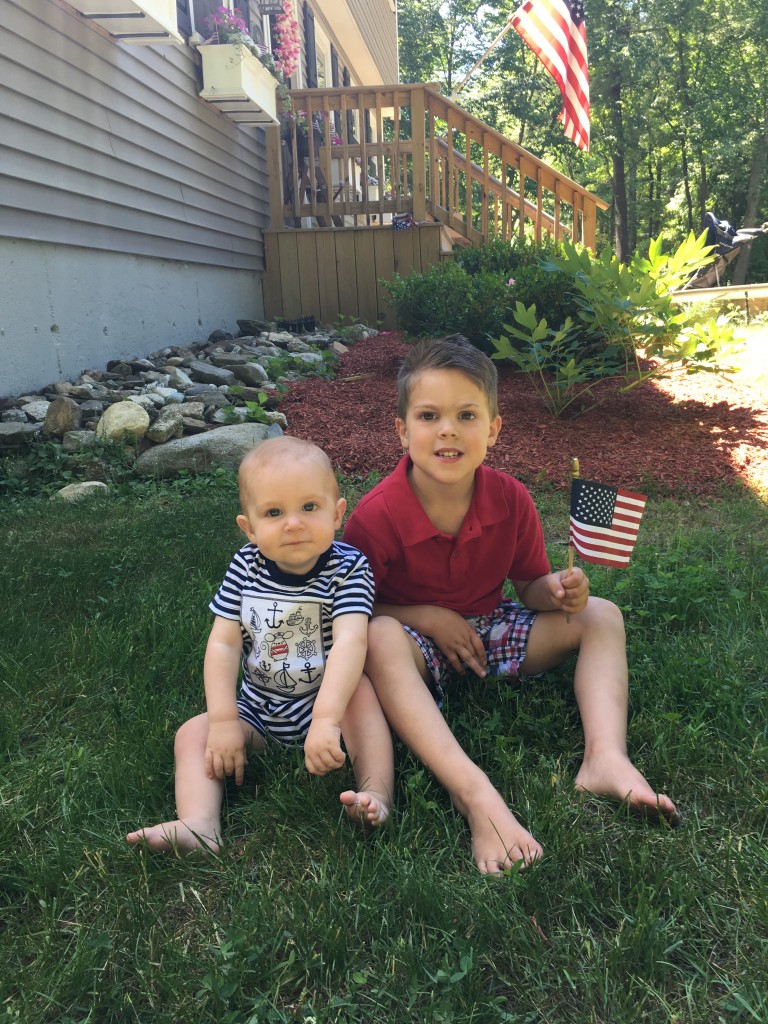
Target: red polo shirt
(415,563)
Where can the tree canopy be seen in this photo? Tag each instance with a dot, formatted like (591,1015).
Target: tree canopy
(679,105)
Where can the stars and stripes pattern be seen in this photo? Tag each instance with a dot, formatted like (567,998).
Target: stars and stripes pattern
(555,31)
(604,522)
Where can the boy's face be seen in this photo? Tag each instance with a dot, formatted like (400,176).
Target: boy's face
(448,429)
(292,513)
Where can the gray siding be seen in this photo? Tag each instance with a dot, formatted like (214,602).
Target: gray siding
(108,146)
(377,23)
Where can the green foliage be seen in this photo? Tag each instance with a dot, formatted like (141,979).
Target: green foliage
(351,328)
(42,466)
(447,300)
(256,409)
(302,918)
(629,327)
(476,292)
(291,366)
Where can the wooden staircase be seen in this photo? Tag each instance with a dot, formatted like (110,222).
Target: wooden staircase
(375,152)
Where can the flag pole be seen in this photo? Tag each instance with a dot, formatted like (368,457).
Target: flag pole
(575,471)
(477,64)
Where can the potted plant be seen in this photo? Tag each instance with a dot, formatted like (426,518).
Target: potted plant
(241,77)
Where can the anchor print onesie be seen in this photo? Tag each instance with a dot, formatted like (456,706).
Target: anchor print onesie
(287,627)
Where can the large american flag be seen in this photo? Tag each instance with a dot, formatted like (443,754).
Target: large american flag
(555,31)
(604,522)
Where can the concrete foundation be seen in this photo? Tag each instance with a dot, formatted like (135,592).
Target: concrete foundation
(64,309)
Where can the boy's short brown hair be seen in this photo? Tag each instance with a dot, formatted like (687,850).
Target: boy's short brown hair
(454,352)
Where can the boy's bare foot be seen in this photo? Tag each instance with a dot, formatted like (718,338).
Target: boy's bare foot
(499,841)
(178,836)
(367,807)
(614,775)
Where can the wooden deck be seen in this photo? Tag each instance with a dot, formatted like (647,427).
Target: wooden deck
(365,154)
(326,273)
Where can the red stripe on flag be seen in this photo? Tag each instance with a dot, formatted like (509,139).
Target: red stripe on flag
(559,40)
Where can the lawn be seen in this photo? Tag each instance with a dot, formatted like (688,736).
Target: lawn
(304,919)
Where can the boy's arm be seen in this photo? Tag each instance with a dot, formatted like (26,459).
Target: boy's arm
(565,591)
(343,669)
(451,632)
(225,747)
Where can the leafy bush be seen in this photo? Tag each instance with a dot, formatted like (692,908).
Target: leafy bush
(447,300)
(476,292)
(630,327)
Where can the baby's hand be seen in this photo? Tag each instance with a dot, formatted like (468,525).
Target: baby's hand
(322,747)
(569,590)
(459,642)
(225,750)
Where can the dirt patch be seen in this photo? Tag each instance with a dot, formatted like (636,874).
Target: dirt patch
(694,435)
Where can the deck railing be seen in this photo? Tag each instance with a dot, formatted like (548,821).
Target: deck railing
(375,152)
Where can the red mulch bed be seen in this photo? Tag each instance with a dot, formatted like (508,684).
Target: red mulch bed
(694,436)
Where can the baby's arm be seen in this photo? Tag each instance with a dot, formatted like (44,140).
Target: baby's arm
(565,591)
(343,669)
(451,632)
(225,747)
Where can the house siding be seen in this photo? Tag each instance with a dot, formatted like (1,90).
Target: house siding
(109,146)
(364,33)
(130,209)
(376,21)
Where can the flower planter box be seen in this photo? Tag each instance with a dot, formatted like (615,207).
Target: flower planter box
(238,84)
(133,21)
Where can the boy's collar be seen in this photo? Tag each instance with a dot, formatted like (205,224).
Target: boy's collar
(488,506)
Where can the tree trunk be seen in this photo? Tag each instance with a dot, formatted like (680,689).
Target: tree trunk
(759,157)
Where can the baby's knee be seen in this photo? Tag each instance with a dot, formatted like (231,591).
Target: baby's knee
(193,733)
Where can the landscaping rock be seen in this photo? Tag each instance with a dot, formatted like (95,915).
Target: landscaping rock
(206,373)
(76,492)
(64,414)
(198,453)
(251,374)
(78,440)
(12,435)
(36,410)
(169,423)
(123,421)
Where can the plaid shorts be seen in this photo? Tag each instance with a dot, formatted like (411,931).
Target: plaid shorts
(505,637)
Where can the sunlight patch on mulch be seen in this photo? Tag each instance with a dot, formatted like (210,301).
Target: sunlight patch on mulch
(696,434)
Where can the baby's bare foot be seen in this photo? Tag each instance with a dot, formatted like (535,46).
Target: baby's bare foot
(613,775)
(367,807)
(178,837)
(499,841)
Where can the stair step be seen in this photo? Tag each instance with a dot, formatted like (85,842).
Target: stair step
(449,239)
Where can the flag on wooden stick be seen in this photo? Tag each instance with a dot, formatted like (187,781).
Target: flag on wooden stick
(555,31)
(604,522)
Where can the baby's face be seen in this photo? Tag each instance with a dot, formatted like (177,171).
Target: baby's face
(292,512)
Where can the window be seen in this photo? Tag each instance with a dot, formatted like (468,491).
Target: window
(195,16)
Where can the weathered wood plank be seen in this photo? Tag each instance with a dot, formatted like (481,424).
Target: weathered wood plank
(328,276)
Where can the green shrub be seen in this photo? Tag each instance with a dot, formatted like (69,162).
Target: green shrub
(629,327)
(478,290)
(447,300)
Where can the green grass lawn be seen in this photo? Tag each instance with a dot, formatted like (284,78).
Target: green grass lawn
(102,634)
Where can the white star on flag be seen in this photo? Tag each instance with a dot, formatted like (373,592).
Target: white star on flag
(604,522)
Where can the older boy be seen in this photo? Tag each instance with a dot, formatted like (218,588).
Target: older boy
(291,619)
(442,534)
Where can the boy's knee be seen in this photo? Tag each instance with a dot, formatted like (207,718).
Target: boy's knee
(605,614)
(383,631)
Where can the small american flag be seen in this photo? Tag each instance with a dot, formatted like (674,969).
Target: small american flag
(554,30)
(604,522)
